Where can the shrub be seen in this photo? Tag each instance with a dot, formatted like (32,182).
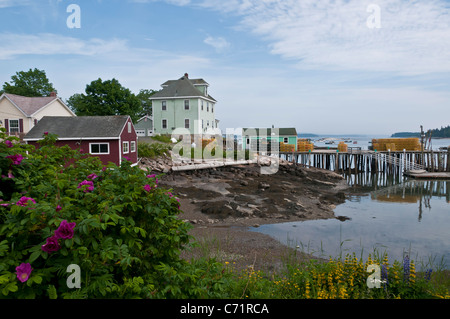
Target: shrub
(152,150)
(60,207)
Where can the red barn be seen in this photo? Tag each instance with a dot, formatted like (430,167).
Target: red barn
(111,138)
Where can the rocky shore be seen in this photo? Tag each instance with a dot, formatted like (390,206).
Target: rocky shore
(225,203)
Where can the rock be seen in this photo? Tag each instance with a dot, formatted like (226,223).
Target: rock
(263,185)
(244,183)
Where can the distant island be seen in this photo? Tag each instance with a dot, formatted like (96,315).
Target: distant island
(443,132)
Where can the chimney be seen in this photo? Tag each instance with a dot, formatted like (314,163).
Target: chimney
(186,75)
(53,94)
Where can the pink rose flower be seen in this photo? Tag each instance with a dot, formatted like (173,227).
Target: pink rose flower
(9,143)
(65,230)
(16,159)
(89,184)
(51,245)
(147,188)
(24,201)
(23,272)
(92,176)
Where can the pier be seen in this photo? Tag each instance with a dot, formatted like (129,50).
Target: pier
(356,160)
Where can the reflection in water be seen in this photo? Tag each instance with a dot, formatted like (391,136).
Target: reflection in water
(394,215)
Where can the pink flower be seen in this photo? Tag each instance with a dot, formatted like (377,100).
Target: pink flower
(23,272)
(89,184)
(24,201)
(58,208)
(4,205)
(51,245)
(147,187)
(92,176)
(16,159)
(153,176)
(45,133)
(65,230)
(9,143)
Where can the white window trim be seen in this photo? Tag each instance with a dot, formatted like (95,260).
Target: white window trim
(129,127)
(18,125)
(188,122)
(132,146)
(188,105)
(125,147)
(285,140)
(162,124)
(163,105)
(100,153)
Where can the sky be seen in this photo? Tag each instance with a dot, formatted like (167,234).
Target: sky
(322,66)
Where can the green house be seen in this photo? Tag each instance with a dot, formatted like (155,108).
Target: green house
(184,103)
(251,136)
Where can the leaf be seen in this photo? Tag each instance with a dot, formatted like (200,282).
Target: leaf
(52,294)
(34,256)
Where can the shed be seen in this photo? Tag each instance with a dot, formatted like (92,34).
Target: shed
(111,138)
(285,135)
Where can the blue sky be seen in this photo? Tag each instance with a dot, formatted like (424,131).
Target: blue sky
(322,66)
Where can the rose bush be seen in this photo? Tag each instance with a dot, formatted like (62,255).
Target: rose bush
(61,207)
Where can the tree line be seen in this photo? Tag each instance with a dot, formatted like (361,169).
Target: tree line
(443,132)
(101,97)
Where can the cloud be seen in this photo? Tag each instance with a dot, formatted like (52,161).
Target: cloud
(51,44)
(13,3)
(219,43)
(414,37)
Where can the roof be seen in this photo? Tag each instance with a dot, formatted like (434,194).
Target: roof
(30,105)
(268,131)
(79,127)
(183,87)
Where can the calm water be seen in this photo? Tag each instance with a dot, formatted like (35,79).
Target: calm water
(410,217)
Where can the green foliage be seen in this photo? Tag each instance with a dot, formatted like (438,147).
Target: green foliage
(127,230)
(152,150)
(29,83)
(162,138)
(146,103)
(106,98)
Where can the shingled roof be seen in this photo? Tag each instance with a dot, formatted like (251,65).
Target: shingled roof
(79,127)
(283,131)
(183,87)
(29,105)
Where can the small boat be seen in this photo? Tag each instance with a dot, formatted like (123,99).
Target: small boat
(355,142)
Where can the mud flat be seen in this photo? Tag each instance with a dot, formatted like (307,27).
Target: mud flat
(223,203)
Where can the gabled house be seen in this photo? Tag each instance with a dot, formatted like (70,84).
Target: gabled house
(184,103)
(111,138)
(18,114)
(252,136)
(144,126)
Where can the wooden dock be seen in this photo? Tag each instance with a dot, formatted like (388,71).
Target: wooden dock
(356,161)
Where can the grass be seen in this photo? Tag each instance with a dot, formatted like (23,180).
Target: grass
(344,277)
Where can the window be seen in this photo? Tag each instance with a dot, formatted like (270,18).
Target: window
(207,123)
(186,123)
(164,123)
(212,108)
(207,107)
(129,127)
(286,140)
(203,125)
(132,146)
(125,147)
(99,148)
(14,126)
(163,106)
(202,105)
(186,104)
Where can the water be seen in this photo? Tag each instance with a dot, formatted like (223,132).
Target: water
(364,141)
(412,218)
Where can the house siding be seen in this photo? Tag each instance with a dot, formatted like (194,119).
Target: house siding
(84,148)
(125,136)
